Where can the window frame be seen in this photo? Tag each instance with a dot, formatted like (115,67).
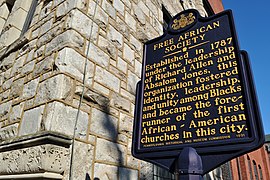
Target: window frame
(29,17)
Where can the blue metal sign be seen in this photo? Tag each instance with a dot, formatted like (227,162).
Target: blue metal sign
(196,91)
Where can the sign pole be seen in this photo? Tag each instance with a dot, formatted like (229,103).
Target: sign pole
(189,165)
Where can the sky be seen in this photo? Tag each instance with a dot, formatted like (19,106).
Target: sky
(252,25)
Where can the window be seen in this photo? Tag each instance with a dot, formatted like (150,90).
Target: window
(10,4)
(162,174)
(17,23)
(260,171)
(255,170)
(249,168)
(29,16)
(166,18)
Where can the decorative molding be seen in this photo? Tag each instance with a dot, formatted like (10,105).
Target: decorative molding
(45,175)
(46,152)
(34,140)
(43,158)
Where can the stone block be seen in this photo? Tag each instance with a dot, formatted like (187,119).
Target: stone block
(173,8)
(105,172)
(106,78)
(27,68)
(139,14)
(121,65)
(126,124)
(132,162)
(16,88)
(119,6)
(4,12)
(101,18)
(109,9)
(127,3)
(120,102)
(122,27)
(69,38)
(153,8)
(101,89)
(46,26)
(57,87)
(61,118)
(7,84)
(107,46)
(132,81)
(145,33)
(128,95)
(110,152)
(138,68)
(9,36)
(48,36)
(128,54)
(136,44)
(103,124)
(1,79)
(31,121)
(115,36)
(30,88)
(5,95)
(158,26)
(46,10)
(83,160)
(17,18)
(91,8)
(131,22)
(80,22)
(16,112)
(146,171)
(7,133)
(92,96)
(5,109)
(25,5)
(17,66)
(129,146)
(43,66)
(126,174)
(65,62)
(2,23)
(68,5)
(30,56)
(7,62)
(144,8)
(98,56)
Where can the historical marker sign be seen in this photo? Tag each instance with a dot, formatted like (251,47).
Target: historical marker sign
(195,91)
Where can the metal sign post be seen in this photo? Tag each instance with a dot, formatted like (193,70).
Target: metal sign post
(189,165)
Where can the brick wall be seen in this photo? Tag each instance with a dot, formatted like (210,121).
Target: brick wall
(240,165)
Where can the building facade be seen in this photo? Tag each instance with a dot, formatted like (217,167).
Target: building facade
(254,165)
(68,72)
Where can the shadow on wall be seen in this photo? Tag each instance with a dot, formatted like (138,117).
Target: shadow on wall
(87,177)
(113,132)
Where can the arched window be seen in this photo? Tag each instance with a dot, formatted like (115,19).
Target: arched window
(255,170)
(260,172)
(249,168)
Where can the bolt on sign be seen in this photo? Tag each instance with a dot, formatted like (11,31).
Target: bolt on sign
(196,91)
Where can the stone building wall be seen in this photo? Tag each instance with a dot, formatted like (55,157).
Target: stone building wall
(78,63)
